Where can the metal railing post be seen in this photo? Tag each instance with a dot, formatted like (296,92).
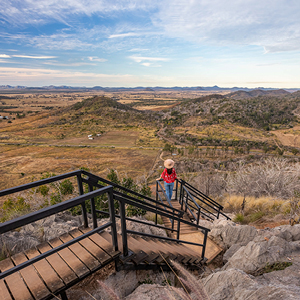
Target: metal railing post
(123,228)
(93,208)
(182,196)
(176,190)
(218,214)
(173,222)
(204,244)
(83,207)
(178,229)
(112,217)
(198,217)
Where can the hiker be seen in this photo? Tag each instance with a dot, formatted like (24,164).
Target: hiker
(169,176)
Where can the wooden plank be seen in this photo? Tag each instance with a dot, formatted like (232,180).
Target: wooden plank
(212,249)
(15,282)
(30,276)
(70,258)
(4,291)
(58,264)
(52,280)
(89,245)
(102,243)
(86,257)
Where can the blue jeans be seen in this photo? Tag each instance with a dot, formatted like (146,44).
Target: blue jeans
(169,189)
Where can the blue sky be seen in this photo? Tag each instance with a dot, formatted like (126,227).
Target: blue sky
(245,43)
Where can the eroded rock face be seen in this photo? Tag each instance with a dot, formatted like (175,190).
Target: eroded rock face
(236,284)
(254,255)
(153,292)
(131,280)
(226,233)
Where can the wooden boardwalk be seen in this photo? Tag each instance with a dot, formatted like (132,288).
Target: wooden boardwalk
(57,272)
(192,234)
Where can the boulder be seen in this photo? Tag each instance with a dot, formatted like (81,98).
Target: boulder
(226,233)
(154,292)
(236,284)
(133,279)
(256,255)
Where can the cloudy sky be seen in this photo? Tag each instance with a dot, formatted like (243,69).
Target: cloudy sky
(253,43)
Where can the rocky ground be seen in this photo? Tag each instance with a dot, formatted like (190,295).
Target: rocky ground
(239,273)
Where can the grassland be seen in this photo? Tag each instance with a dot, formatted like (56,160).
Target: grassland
(123,135)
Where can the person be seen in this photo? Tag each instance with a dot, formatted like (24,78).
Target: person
(169,176)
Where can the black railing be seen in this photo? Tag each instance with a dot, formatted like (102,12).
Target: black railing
(114,193)
(203,204)
(51,210)
(147,204)
(192,201)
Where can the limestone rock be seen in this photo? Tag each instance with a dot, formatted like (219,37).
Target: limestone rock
(153,292)
(256,255)
(226,233)
(235,284)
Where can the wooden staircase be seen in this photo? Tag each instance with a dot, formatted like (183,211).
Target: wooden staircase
(66,267)
(52,267)
(184,228)
(146,251)
(190,233)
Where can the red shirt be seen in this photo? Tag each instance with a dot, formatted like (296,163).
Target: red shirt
(168,178)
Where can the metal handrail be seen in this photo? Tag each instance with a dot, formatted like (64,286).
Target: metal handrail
(38,183)
(165,207)
(164,210)
(136,221)
(202,194)
(198,207)
(96,178)
(48,211)
(204,199)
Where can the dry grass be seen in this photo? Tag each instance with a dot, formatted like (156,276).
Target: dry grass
(256,209)
(19,164)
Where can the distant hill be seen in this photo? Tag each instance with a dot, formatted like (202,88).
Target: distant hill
(106,110)
(65,88)
(256,93)
(263,111)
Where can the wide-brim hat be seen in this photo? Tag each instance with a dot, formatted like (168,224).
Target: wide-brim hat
(169,163)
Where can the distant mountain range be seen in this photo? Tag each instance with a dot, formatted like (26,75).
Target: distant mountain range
(65,88)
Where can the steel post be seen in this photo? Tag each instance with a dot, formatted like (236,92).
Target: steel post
(83,207)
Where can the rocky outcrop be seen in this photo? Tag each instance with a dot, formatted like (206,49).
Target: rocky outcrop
(226,233)
(236,284)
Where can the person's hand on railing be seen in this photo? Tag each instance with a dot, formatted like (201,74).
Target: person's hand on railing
(158,179)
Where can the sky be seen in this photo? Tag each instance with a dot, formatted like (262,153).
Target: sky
(109,43)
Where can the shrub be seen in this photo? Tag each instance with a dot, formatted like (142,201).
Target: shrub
(66,187)
(11,209)
(43,189)
(239,218)
(55,198)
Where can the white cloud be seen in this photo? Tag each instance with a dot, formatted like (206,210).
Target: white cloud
(94,58)
(19,12)
(41,77)
(140,59)
(122,35)
(146,64)
(4,56)
(273,24)
(34,57)
(31,76)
